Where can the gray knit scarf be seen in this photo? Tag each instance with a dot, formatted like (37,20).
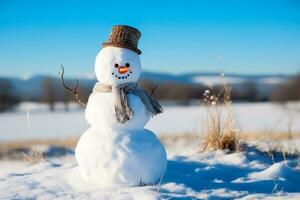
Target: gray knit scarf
(122,108)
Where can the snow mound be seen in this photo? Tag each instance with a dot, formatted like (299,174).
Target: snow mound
(281,171)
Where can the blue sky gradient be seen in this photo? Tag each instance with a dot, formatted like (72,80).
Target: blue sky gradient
(248,37)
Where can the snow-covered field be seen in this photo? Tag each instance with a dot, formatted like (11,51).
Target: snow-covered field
(249,174)
(252,173)
(33,121)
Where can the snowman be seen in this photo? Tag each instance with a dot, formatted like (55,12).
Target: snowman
(117,150)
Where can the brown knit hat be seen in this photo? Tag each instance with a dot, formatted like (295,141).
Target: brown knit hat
(125,37)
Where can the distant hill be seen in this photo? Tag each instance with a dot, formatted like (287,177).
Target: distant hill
(211,79)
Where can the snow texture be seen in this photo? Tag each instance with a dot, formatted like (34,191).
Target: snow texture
(250,174)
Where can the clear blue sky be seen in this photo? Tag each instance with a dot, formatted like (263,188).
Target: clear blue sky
(250,37)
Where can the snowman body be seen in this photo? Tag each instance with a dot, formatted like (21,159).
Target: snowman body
(111,153)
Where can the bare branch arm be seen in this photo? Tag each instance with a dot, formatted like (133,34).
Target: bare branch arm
(71,91)
(153,90)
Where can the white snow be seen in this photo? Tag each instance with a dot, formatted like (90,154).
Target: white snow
(208,175)
(216,80)
(59,124)
(249,174)
(7,167)
(250,117)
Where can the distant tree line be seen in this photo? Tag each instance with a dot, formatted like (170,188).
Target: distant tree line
(8,100)
(289,91)
(183,93)
(53,92)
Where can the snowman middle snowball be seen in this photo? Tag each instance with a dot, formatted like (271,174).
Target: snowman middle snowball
(113,153)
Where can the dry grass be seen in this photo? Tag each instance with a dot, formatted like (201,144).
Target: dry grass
(68,142)
(274,136)
(168,140)
(219,131)
(34,155)
(244,136)
(30,150)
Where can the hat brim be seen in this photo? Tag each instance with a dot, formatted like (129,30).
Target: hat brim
(122,46)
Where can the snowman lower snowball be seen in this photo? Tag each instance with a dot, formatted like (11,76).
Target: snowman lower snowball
(116,150)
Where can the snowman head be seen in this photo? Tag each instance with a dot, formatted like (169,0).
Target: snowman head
(115,65)
(119,62)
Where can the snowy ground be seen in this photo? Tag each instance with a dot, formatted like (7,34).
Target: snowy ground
(253,173)
(35,121)
(249,174)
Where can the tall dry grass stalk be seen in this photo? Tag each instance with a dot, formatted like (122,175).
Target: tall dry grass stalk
(35,156)
(219,131)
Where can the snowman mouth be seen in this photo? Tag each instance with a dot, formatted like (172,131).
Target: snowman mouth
(125,76)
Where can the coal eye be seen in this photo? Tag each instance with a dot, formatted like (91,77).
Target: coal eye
(127,65)
(116,65)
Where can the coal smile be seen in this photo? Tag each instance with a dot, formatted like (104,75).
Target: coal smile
(121,77)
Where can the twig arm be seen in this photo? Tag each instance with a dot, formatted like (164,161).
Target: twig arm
(153,89)
(74,91)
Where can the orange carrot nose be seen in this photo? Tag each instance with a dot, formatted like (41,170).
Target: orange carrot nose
(123,70)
